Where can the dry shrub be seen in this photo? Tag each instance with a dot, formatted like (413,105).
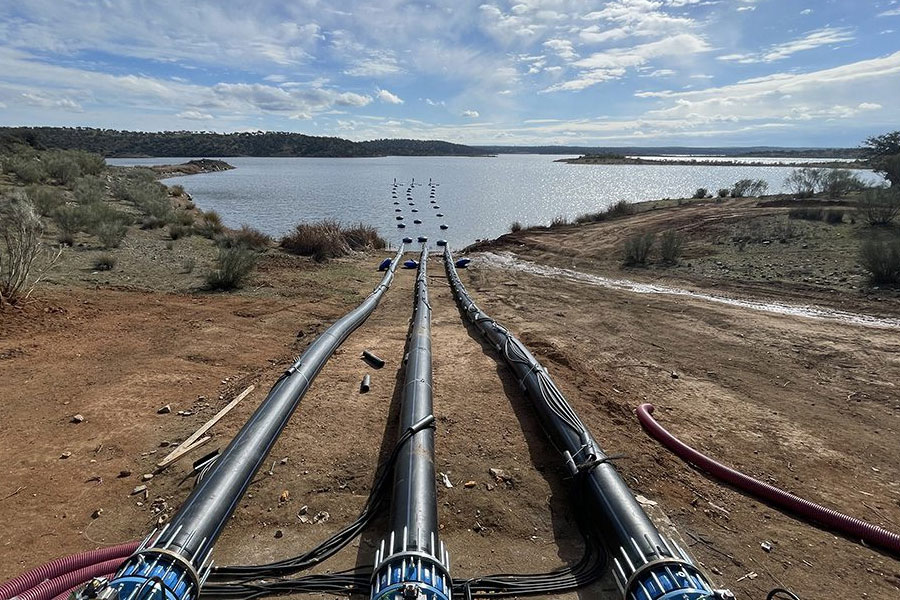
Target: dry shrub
(363,237)
(232,268)
(20,248)
(882,261)
(637,249)
(671,244)
(328,239)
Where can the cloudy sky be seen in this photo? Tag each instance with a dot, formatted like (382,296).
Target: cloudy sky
(610,72)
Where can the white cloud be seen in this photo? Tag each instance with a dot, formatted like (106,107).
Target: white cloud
(814,39)
(894,12)
(388,98)
(470,114)
(614,63)
(806,11)
(194,115)
(563,48)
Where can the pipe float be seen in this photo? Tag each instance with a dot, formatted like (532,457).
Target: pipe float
(173,563)
(412,561)
(849,526)
(647,565)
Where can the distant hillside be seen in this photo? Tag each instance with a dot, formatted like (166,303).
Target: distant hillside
(113,143)
(749,151)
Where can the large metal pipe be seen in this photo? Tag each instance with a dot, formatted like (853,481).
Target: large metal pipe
(412,561)
(173,563)
(647,565)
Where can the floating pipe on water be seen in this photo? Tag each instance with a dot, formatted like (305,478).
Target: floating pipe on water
(412,561)
(647,565)
(173,563)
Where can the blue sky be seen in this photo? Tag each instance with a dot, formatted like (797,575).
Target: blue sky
(612,72)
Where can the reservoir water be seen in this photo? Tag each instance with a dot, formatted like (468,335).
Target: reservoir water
(478,197)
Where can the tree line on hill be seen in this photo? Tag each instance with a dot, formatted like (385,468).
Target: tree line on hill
(113,143)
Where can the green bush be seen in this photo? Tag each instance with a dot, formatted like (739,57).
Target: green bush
(68,221)
(701,193)
(88,162)
(806,213)
(515,227)
(88,189)
(882,261)
(110,233)
(28,169)
(637,249)
(104,262)
(723,192)
(671,243)
(176,190)
(878,207)
(61,166)
(46,199)
(232,268)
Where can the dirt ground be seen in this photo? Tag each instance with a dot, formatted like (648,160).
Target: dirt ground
(810,405)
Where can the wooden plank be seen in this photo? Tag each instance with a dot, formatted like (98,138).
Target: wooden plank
(189,444)
(179,452)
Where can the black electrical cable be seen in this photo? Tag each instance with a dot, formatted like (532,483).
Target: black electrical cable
(774,594)
(339,540)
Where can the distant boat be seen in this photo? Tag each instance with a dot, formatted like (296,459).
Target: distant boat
(443,226)
(401,225)
(417,222)
(399,218)
(415,210)
(439,215)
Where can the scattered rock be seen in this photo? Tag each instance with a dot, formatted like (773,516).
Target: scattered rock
(303,510)
(470,484)
(285,496)
(65,454)
(164,410)
(304,519)
(284,460)
(674,375)
(138,489)
(185,413)
(146,476)
(279,534)
(446,480)
(96,514)
(766,546)
(124,473)
(321,517)
(645,501)
(79,418)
